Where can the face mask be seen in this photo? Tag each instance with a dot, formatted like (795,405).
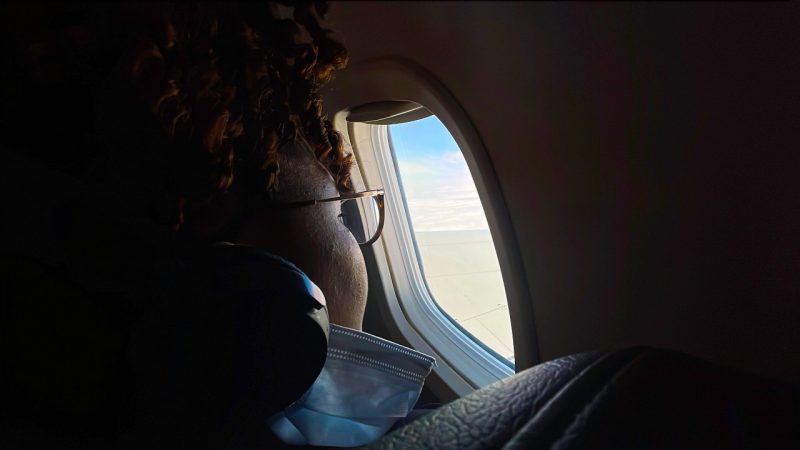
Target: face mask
(366,385)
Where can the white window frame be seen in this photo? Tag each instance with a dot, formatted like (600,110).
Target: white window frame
(463,364)
(421,316)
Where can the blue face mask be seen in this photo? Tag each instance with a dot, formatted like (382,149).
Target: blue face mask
(366,385)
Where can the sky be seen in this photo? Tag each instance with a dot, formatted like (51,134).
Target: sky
(438,186)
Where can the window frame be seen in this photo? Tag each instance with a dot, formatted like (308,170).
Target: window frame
(464,365)
(462,351)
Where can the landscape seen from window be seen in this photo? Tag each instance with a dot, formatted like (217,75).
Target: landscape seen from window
(458,258)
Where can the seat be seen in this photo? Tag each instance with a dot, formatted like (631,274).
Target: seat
(633,398)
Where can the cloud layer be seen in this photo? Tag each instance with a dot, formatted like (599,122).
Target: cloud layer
(441,194)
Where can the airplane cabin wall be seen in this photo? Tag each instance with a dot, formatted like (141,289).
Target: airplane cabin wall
(647,154)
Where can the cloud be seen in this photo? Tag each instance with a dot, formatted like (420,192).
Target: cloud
(409,168)
(441,194)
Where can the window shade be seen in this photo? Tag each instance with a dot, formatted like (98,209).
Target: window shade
(388,112)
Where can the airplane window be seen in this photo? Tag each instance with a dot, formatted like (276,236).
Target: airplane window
(454,245)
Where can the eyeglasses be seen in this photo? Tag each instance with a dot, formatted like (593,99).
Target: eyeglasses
(362,213)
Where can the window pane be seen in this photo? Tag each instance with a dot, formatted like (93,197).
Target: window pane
(456,252)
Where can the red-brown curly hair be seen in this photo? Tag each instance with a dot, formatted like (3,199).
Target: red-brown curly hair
(182,100)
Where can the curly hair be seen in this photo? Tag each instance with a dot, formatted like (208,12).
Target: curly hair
(228,85)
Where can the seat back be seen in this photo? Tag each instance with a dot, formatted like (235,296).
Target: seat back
(634,398)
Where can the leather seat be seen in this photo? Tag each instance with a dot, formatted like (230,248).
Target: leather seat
(634,398)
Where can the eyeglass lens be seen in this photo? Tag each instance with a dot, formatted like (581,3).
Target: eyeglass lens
(362,217)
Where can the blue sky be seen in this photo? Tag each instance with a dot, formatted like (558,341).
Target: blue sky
(438,186)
